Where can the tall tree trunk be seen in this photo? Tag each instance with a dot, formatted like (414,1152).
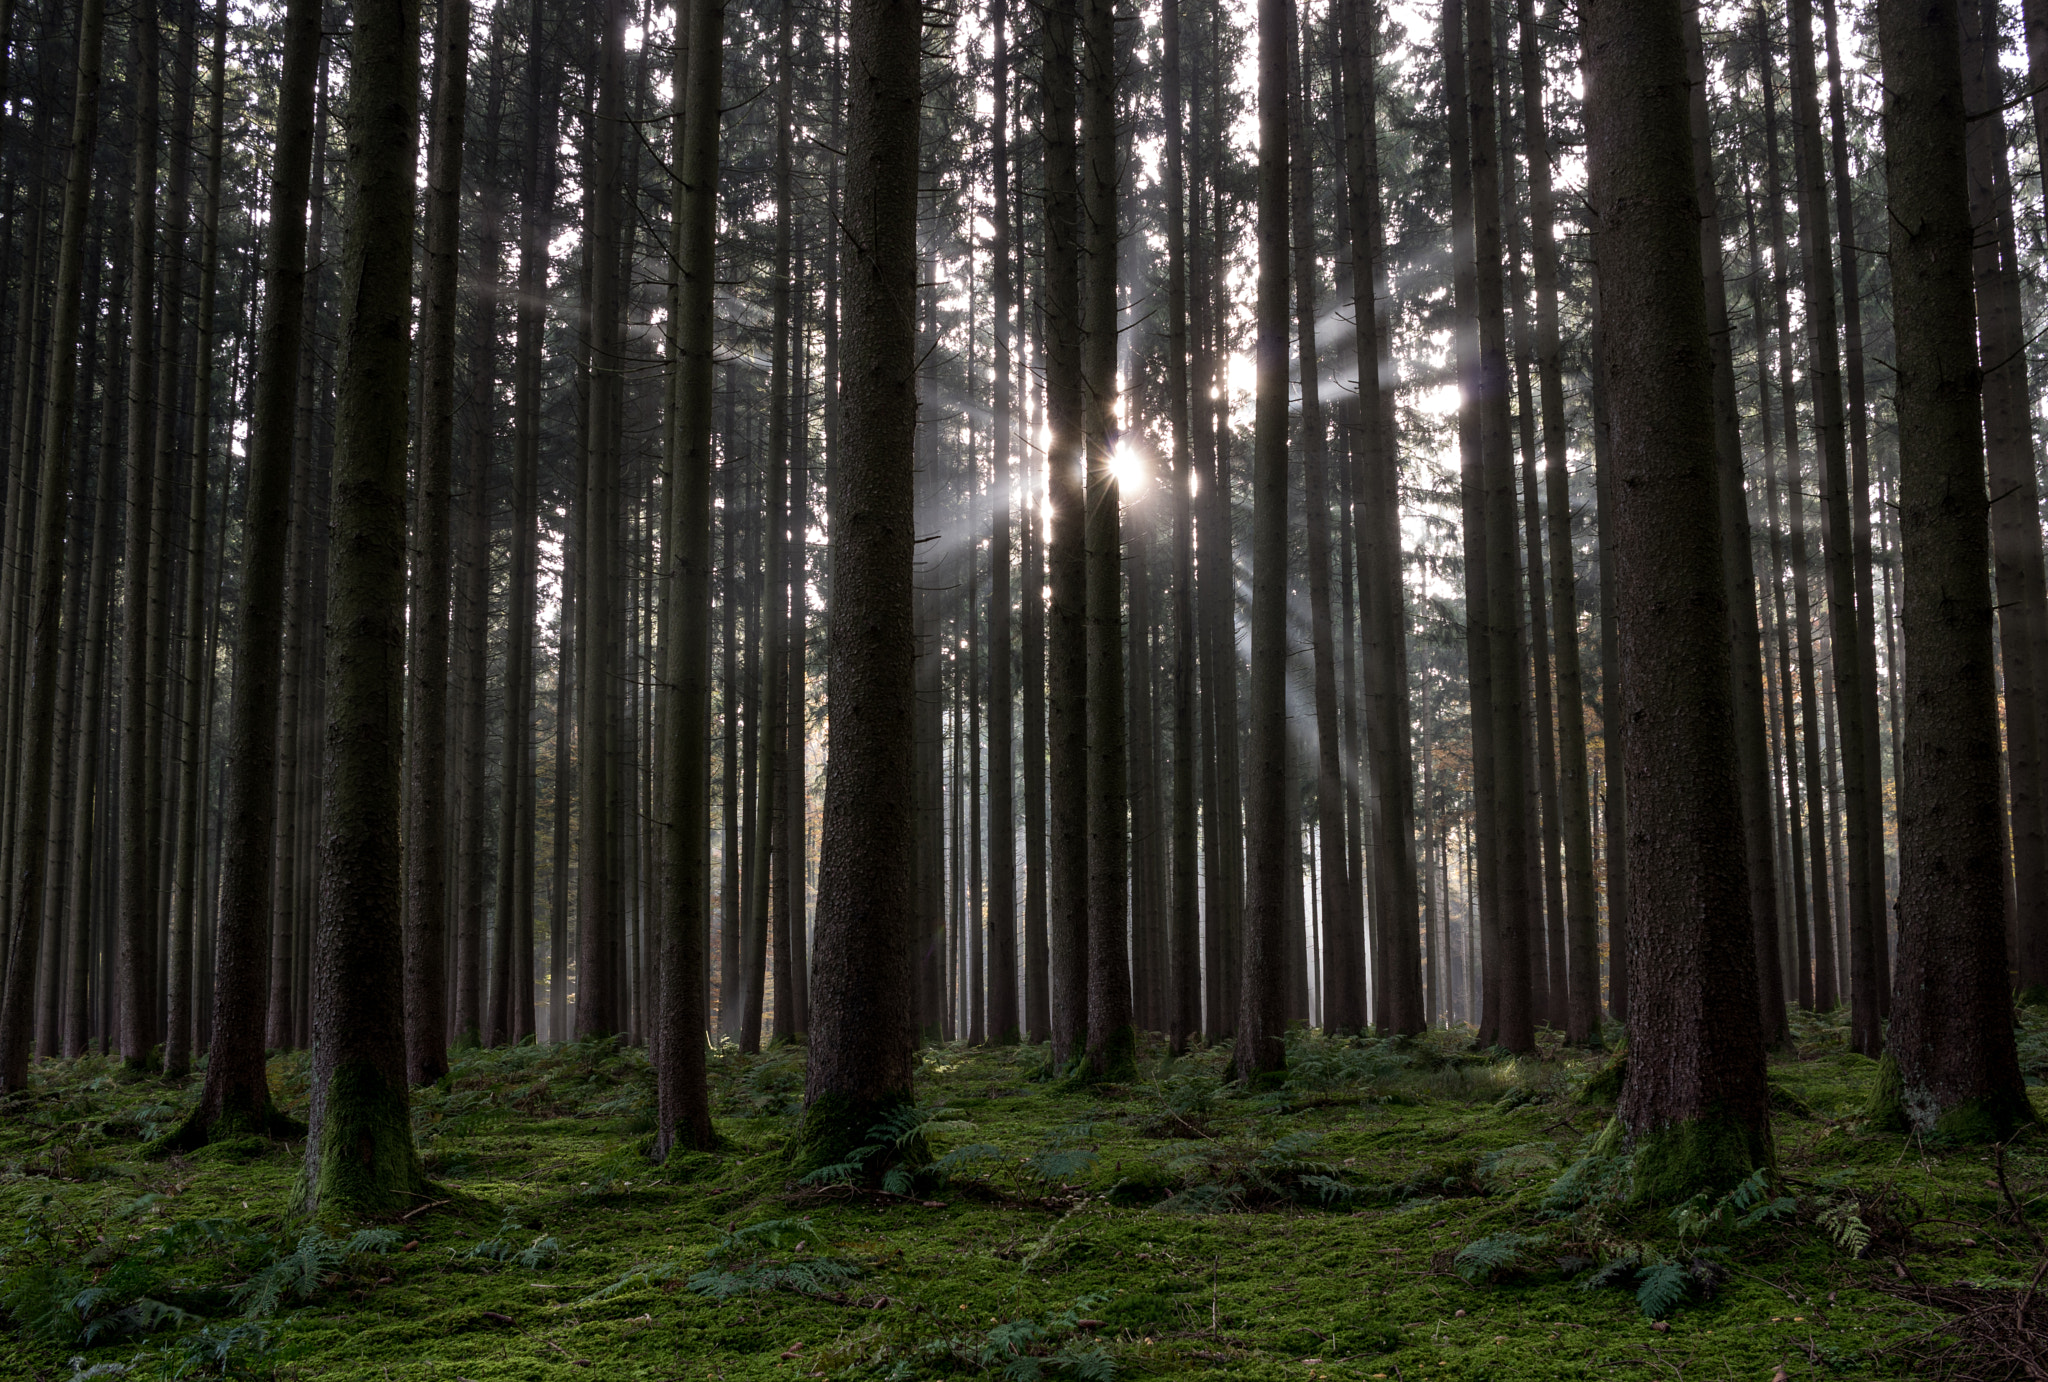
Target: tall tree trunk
(1066,546)
(682,1101)
(862,1034)
(1112,1035)
(1738,569)
(1818,832)
(599,1001)
(1951,1067)
(1344,1005)
(1037,958)
(1184,1006)
(1695,1110)
(360,1151)
(2015,510)
(428,761)
(1262,1011)
(1575,814)
(1849,627)
(1472,486)
(1003,1026)
(53,481)
(1504,634)
(136,966)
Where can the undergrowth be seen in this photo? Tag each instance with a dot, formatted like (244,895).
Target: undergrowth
(1399,1208)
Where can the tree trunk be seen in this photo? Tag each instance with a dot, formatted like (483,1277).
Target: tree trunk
(863,1039)
(682,1101)
(1575,814)
(1854,662)
(1738,568)
(1262,1011)
(1694,1111)
(428,668)
(360,1151)
(1002,838)
(53,482)
(136,965)
(1951,1067)
(1504,633)
(2009,451)
(1344,1005)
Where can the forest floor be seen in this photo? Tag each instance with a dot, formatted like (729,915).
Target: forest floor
(1405,1210)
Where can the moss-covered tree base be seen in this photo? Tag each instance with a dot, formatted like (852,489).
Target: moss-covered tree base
(1895,1108)
(1673,1163)
(834,1127)
(1116,1062)
(364,1162)
(230,1124)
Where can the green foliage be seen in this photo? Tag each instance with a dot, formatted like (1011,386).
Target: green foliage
(298,1274)
(1501,1255)
(773,1255)
(893,1144)
(1025,1349)
(1216,1176)
(500,1247)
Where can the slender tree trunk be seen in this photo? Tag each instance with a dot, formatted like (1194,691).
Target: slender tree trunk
(31,824)
(1854,663)
(1504,635)
(863,1040)
(1262,1015)
(1067,557)
(1037,959)
(136,965)
(428,760)
(1694,1110)
(1003,1027)
(683,1110)
(1582,999)
(360,1151)
(1344,1005)
(1951,1067)
(1752,743)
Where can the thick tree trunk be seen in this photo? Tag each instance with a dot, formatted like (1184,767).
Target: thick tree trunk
(2015,511)
(1951,1067)
(863,1040)
(360,1151)
(1694,1111)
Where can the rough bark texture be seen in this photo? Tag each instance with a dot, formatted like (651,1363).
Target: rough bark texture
(360,1156)
(1951,1067)
(1002,840)
(863,1038)
(682,1102)
(1694,1110)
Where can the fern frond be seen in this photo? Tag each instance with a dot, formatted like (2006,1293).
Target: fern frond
(1660,1288)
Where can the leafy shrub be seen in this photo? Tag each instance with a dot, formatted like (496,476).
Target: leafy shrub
(746,1262)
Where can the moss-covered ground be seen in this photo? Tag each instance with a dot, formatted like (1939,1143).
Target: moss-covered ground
(1396,1210)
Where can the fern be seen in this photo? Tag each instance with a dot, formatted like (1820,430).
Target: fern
(646,1274)
(741,1263)
(301,1272)
(1845,1226)
(1660,1288)
(1499,1255)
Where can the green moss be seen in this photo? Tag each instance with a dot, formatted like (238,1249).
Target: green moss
(365,1163)
(833,1127)
(1116,1062)
(1892,1107)
(1671,1164)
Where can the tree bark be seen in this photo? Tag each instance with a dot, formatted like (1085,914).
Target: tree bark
(1694,1112)
(1003,1026)
(862,1034)
(360,1151)
(1951,1067)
